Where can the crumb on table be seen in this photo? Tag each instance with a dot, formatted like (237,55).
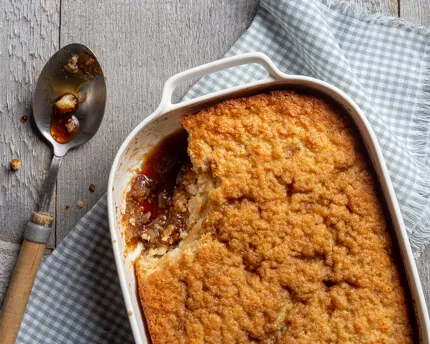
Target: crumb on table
(80,204)
(16,164)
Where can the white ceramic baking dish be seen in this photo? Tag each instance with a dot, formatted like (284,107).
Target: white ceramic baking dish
(165,120)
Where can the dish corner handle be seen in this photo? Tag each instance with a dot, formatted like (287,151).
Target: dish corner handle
(216,66)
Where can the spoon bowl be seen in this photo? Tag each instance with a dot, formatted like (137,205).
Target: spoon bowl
(89,88)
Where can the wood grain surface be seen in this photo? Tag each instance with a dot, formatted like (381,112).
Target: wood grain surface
(29,36)
(416,11)
(389,7)
(139,44)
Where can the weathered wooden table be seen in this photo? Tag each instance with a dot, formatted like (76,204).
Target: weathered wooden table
(140,44)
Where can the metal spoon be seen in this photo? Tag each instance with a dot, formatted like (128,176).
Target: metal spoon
(87,84)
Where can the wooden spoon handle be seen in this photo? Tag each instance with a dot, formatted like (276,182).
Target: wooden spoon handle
(36,235)
(19,290)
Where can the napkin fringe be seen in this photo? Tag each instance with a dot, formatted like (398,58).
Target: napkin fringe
(420,236)
(420,148)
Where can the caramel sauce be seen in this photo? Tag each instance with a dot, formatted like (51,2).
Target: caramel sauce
(149,201)
(58,128)
(162,165)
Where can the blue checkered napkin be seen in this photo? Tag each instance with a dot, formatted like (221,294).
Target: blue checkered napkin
(382,63)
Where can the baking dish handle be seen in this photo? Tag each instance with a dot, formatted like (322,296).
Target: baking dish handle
(216,66)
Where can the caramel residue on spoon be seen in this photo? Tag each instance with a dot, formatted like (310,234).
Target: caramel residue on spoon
(82,68)
(64,124)
(83,65)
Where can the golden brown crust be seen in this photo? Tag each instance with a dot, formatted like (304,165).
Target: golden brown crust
(296,248)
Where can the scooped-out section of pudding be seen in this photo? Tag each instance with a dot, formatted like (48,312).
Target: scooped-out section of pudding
(164,200)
